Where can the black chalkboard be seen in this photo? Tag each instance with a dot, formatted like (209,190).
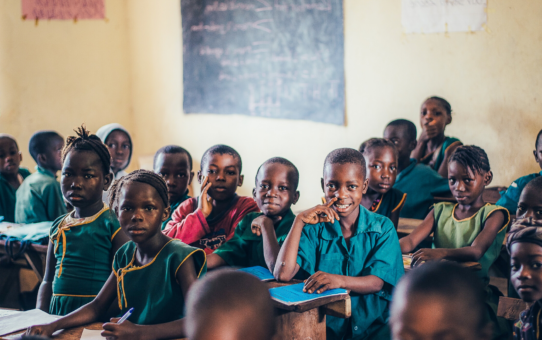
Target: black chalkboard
(267,58)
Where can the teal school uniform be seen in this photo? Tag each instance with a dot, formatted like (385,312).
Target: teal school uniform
(8,196)
(152,290)
(174,206)
(374,250)
(245,249)
(428,159)
(389,203)
(510,198)
(420,183)
(83,258)
(39,198)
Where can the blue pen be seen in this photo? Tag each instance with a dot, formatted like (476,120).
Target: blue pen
(126,316)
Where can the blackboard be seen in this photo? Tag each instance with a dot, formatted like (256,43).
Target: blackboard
(267,58)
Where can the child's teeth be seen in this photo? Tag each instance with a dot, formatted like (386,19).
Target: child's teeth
(342,206)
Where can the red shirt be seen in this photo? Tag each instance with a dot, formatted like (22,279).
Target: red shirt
(190,226)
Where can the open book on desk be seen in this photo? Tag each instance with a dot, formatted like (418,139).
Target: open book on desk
(293,294)
(260,272)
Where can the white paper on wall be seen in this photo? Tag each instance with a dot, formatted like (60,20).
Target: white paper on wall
(437,16)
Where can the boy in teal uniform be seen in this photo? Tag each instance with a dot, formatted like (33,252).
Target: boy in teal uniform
(434,148)
(418,181)
(11,176)
(259,235)
(510,197)
(39,197)
(343,245)
(174,164)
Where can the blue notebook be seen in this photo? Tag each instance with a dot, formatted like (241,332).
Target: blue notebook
(260,272)
(293,294)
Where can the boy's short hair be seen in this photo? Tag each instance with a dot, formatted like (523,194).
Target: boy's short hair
(538,139)
(535,185)
(10,137)
(346,155)
(443,102)
(282,161)
(446,281)
(228,294)
(40,142)
(171,149)
(374,143)
(221,149)
(471,157)
(410,127)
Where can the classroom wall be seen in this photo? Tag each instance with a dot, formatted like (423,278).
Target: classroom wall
(493,80)
(129,69)
(59,74)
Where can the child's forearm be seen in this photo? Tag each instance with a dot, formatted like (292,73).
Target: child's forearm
(419,151)
(363,284)
(271,246)
(407,245)
(170,330)
(215,261)
(82,316)
(44,296)
(286,266)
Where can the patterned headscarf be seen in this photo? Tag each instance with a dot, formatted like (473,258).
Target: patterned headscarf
(525,230)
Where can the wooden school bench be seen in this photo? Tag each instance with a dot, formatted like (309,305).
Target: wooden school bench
(33,258)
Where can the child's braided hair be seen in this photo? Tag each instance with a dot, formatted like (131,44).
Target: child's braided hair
(471,157)
(373,143)
(88,142)
(141,176)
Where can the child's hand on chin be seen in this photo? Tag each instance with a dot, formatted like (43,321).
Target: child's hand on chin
(260,223)
(320,213)
(125,330)
(426,254)
(43,330)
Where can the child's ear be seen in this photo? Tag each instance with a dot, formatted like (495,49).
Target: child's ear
(449,119)
(365,186)
(254,193)
(167,212)
(488,177)
(191,177)
(296,197)
(108,179)
(21,156)
(412,145)
(241,178)
(200,177)
(535,156)
(322,183)
(42,159)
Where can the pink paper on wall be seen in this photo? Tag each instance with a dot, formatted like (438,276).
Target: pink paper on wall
(63,9)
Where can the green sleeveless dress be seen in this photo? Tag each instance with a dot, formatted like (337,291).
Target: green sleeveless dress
(83,258)
(428,159)
(152,290)
(389,203)
(452,233)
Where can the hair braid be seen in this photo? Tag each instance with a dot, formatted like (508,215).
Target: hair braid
(89,142)
(471,157)
(141,176)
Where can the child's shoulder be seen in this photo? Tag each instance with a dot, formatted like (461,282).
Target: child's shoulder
(372,222)
(523,180)
(124,254)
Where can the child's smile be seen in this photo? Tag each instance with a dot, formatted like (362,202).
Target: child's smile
(275,191)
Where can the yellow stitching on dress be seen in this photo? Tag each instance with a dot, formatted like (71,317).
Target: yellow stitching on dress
(400,203)
(468,218)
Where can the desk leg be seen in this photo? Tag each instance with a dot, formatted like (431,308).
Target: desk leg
(301,326)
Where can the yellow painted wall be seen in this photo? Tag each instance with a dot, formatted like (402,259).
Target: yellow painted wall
(130,70)
(59,74)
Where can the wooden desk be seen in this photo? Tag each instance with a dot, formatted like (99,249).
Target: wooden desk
(34,257)
(308,320)
(407,225)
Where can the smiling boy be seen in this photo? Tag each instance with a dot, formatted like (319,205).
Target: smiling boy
(39,198)
(210,220)
(259,235)
(343,245)
(11,175)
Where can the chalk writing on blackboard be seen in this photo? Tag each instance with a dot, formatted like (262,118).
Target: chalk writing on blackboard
(267,58)
(63,9)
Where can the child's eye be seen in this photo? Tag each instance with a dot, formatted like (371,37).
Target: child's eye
(125,208)
(126,146)
(181,175)
(88,176)
(536,265)
(514,267)
(150,207)
(65,174)
(211,172)
(231,173)
(283,188)
(264,186)
(377,167)
(353,187)
(331,186)
(468,180)
(393,168)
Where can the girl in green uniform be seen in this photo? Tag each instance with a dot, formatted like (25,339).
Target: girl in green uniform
(381,157)
(84,241)
(152,273)
(470,230)
(433,147)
